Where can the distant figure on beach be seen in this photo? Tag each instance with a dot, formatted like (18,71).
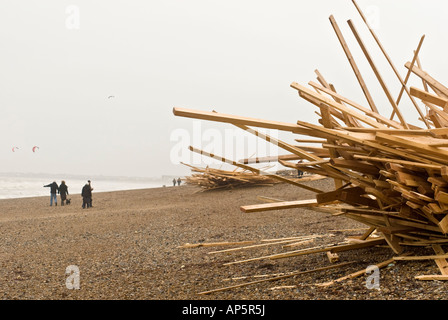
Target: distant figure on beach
(174,182)
(63,191)
(53,190)
(179,181)
(300,173)
(91,189)
(86,194)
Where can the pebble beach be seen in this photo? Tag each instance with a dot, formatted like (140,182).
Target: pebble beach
(131,246)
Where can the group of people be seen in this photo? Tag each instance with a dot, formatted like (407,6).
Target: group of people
(178,181)
(62,189)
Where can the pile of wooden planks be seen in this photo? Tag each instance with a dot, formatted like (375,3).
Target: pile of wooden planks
(389,174)
(212,179)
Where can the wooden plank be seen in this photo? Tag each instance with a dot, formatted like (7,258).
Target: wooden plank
(270,159)
(364,141)
(394,229)
(435,181)
(255,170)
(419,65)
(443,224)
(353,64)
(439,131)
(292,274)
(367,233)
(335,249)
(225,118)
(414,60)
(355,165)
(331,196)
(442,197)
(310,141)
(437,277)
(377,116)
(299,252)
(433,83)
(253,246)
(429,97)
(378,75)
(392,66)
(311,163)
(297,244)
(417,258)
(441,263)
(293,149)
(348,120)
(348,195)
(337,106)
(421,148)
(279,206)
(399,161)
(411,132)
(355,274)
(395,220)
(326,122)
(332,257)
(295,238)
(214,244)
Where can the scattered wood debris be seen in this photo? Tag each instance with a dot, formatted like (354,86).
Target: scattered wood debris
(211,179)
(389,174)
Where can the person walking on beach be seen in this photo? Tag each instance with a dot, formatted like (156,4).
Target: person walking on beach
(178,181)
(86,194)
(53,189)
(174,182)
(63,191)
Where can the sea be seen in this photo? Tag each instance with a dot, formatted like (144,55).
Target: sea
(22,185)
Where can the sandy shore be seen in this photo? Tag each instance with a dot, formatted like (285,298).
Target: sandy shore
(126,247)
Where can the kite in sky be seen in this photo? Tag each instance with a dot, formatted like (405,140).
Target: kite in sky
(35,148)
(14,149)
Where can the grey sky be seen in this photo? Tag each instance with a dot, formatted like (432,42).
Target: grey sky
(236,57)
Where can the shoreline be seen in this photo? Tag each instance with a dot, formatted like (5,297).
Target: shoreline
(48,195)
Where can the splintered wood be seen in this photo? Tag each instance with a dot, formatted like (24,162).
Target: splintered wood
(389,174)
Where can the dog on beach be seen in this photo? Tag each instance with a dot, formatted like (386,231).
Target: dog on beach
(67,201)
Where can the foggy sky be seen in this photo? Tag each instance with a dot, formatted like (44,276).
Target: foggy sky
(235,57)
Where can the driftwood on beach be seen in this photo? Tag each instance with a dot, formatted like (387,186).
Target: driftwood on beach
(212,179)
(388,174)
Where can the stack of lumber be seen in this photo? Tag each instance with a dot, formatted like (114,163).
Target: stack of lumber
(389,174)
(211,179)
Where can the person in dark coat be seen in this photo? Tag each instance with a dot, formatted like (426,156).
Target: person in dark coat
(91,189)
(53,190)
(63,191)
(86,194)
